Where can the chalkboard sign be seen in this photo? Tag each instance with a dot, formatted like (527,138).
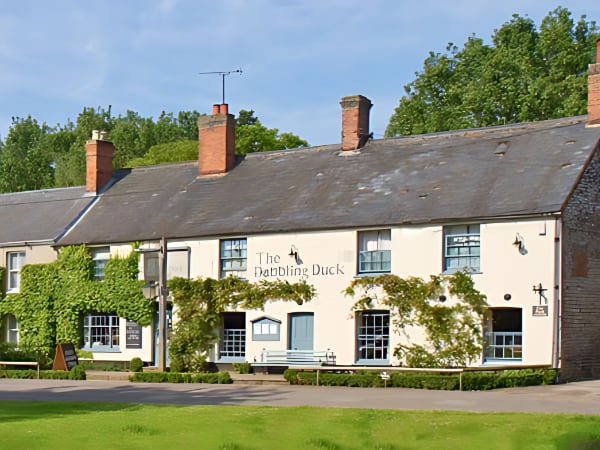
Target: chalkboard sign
(133,335)
(65,358)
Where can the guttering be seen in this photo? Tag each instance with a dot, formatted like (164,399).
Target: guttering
(27,243)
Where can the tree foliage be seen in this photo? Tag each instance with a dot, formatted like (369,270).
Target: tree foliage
(252,136)
(201,302)
(37,156)
(453,330)
(525,75)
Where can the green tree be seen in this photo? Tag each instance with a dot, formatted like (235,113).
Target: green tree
(70,165)
(252,136)
(25,162)
(184,150)
(452,328)
(524,75)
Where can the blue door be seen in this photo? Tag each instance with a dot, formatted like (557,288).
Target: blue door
(301,331)
(169,319)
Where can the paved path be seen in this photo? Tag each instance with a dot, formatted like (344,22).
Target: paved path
(581,397)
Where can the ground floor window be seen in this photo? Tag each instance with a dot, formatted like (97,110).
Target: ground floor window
(10,329)
(373,337)
(504,334)
(101,332)
(233,337)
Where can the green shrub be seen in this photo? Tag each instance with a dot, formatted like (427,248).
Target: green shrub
(243,367)
(77,373)
(136,364)
(222,377)
(471,380)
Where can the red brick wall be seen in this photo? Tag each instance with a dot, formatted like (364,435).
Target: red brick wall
(216,146)
(355,120)
(594,94)
(99,164)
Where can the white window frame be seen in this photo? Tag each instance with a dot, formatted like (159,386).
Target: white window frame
(462,248)
(100,256)
(373,337)
(10,329)
(233,257)
(374,251)
(14,263)
(232,347)
(101,332)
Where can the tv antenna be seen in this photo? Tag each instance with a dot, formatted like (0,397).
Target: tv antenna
(222,75)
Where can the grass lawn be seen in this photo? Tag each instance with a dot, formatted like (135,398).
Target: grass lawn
(57,425)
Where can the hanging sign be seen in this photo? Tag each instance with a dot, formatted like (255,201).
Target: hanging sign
(540,311)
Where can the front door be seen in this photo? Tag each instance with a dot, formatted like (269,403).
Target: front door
(301,331)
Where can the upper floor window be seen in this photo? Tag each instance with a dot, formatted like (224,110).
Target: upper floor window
(14,262)
(100,256)
(461,248)
(233,257)
(374,251)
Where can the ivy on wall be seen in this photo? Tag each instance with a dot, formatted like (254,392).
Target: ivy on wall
(200,303)
(53,297)
(447,308)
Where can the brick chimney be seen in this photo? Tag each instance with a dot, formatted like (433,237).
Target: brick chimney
(355,121)
(594,90)
(98,161)
(216,146)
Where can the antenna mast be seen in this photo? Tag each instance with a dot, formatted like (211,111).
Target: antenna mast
(222,75)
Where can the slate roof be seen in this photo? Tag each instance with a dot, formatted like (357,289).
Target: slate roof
(39,216)
(505,171)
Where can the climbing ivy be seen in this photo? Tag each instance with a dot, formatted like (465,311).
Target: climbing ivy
(53,297)
(452,327)
(200,303)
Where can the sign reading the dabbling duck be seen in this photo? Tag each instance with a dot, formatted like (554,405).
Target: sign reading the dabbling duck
(273,266)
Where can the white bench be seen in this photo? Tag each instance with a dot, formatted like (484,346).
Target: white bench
(286,358)
(22,363)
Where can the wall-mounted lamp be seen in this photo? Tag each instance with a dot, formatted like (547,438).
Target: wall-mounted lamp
(294,254)
(519,243)
(539,289)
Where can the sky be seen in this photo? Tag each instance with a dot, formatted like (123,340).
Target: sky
(298,57)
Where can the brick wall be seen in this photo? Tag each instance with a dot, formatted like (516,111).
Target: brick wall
(216,146)
(580,324)
(99,164)
(355,120)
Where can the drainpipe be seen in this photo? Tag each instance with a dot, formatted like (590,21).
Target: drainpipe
(556,331)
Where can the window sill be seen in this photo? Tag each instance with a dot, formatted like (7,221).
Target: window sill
(231,359)
(102,349)
(450,272)
(372,362)
(371,274)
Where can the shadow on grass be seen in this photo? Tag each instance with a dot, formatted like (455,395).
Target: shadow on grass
(17,411)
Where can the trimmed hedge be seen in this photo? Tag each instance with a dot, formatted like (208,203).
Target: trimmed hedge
(471,381)
(32,374)
(221,377)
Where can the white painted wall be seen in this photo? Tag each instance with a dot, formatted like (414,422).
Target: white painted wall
(328,262)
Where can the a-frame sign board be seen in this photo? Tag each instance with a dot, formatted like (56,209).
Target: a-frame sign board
(65,358)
